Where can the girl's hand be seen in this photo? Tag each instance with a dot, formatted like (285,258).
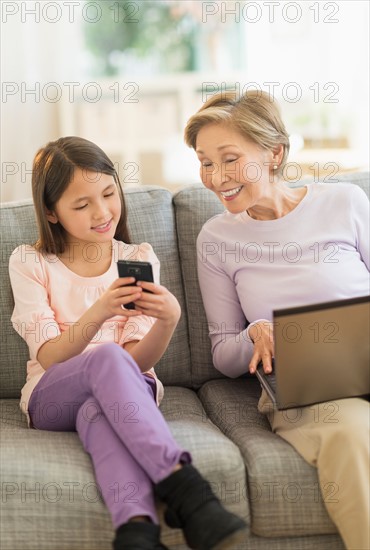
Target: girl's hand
(161,304)
(117,295)
(262,336)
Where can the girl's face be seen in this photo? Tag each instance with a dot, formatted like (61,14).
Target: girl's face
(236,170)
(89,209)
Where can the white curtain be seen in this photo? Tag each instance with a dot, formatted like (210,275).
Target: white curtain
(36,52)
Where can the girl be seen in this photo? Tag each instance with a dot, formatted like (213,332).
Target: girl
(94,359)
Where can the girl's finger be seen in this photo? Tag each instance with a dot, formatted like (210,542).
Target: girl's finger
(130,312)
(123,281)
(148,300)
(152,287)
(125,291)
(146,309)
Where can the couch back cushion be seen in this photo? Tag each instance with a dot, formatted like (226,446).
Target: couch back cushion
(194,206)
(151,219)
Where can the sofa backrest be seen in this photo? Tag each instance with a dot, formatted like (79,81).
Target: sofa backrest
(171,224)
(194,206)
(151,219)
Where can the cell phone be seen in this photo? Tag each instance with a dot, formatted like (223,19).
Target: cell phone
(141,271)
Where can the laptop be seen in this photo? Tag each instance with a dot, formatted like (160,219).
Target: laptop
(322,353)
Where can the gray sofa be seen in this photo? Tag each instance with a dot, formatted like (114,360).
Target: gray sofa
(49,497)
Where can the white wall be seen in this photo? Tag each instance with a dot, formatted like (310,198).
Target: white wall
(304,52)
(323,52)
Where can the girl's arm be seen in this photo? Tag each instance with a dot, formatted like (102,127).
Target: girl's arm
(35,320)
(163,306)
(76,338)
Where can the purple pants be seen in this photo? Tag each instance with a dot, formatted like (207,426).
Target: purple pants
(103,395)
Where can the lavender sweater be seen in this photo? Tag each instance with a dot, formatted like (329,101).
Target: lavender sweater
(247,268)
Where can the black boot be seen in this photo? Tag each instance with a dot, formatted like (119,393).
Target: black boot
(137,535)
(193,507)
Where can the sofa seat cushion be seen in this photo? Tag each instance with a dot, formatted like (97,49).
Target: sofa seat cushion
(215,456)
(282,488)
(49,492)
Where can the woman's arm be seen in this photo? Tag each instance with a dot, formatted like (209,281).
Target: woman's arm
(232,348)
(361,216)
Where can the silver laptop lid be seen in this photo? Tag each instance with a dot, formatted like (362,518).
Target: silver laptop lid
(322,352)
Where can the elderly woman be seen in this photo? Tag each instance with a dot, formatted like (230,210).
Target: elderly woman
(242,146)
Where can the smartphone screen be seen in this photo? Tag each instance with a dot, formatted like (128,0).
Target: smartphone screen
(141,271)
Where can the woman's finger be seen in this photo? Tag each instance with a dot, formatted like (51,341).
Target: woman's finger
(254,363)
(267,362)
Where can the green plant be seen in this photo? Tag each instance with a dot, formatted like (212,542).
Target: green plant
(145,29)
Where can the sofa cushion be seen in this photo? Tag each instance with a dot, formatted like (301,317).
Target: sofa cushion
(216,457)
(18,225)
(194,206)
(49,493)
(150,219)
(283,489)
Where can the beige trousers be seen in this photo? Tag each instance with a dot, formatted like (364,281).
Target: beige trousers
(333,437)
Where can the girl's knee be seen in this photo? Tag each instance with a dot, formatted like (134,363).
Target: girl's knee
(112,351)
(109,349)
(112,356)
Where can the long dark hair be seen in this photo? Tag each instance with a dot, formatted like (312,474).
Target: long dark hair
(53,169)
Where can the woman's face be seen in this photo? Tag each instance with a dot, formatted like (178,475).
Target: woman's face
(237,170)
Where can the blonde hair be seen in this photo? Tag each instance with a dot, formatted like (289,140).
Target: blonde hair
(253,114)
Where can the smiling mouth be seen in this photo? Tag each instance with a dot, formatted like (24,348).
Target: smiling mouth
(102,226)
(231,193)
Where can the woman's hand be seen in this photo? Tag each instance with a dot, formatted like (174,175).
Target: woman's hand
(263,338)
(158,303)
(121,292)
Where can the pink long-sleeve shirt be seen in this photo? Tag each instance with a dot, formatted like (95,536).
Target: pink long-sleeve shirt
(49,298)
(247,268)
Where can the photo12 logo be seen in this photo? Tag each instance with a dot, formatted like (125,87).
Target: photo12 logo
(127,172)
(71,11)
(53,92)
(272,12)
(291,92)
